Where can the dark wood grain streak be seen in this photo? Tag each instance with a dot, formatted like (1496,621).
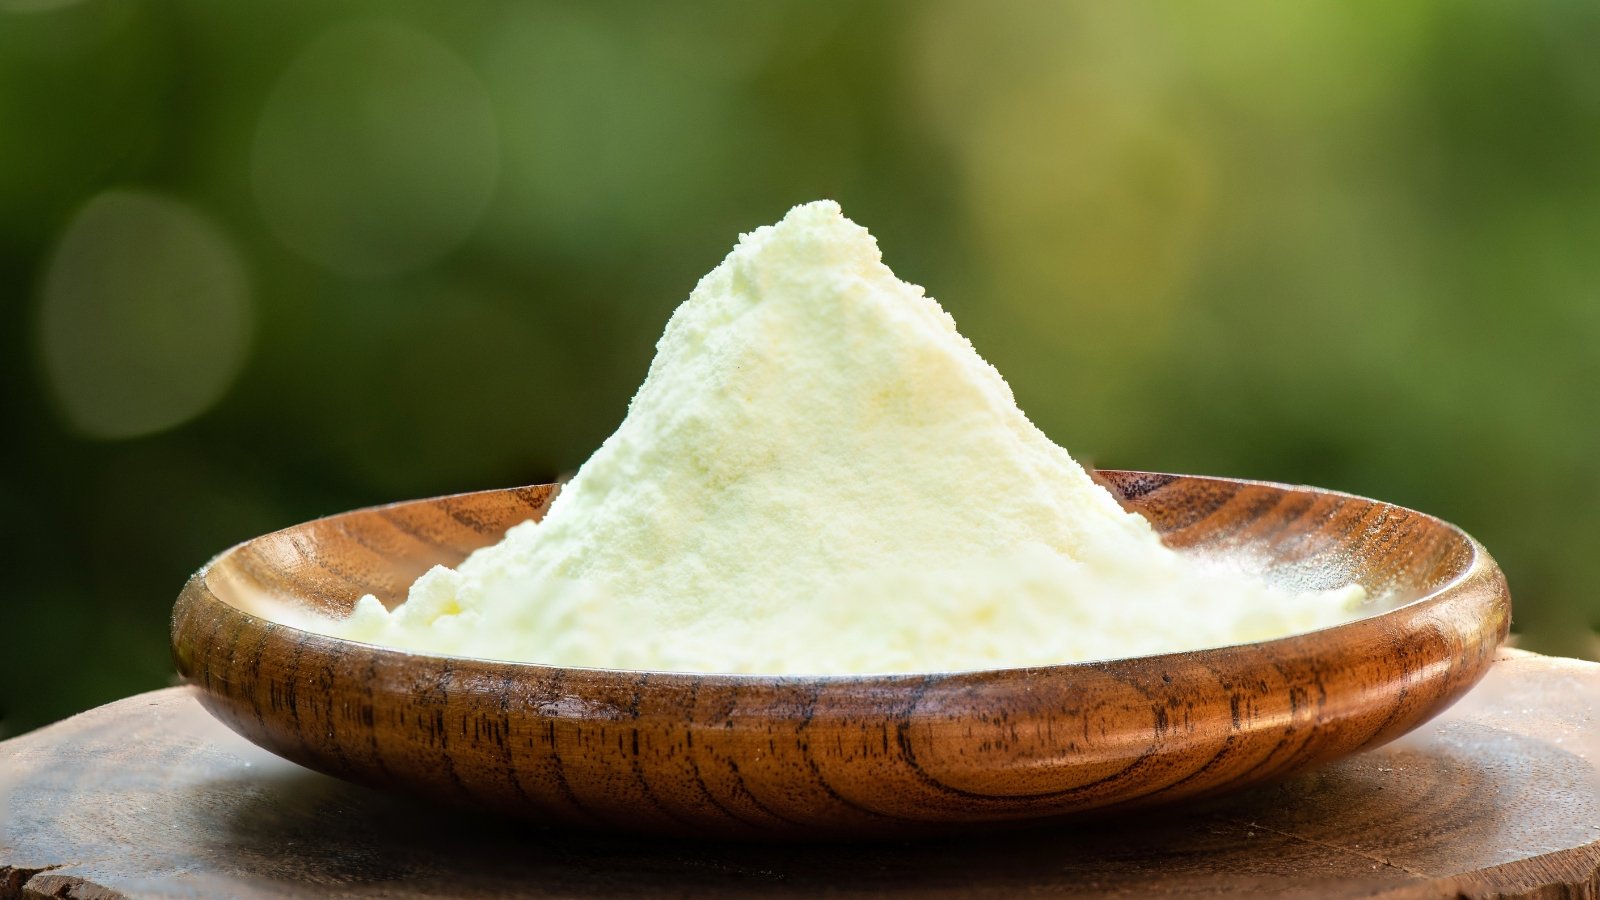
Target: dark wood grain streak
(767,756)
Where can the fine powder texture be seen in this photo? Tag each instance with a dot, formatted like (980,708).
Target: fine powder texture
(820,475)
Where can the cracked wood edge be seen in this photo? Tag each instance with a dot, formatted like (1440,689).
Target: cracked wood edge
(66,887)
(1561,875)
(39,883)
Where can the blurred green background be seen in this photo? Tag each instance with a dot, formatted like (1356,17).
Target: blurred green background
(264,262)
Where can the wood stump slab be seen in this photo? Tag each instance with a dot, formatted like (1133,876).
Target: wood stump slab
(150,797)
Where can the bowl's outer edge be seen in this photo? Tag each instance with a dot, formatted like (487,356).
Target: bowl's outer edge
(746,755)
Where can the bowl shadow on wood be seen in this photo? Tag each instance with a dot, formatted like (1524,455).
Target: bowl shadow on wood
(759,756)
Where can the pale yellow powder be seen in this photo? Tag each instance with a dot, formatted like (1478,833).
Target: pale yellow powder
(820,475)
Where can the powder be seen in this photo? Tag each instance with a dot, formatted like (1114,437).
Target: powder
(820,475)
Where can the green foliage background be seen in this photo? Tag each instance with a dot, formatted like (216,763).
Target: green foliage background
(1345,244)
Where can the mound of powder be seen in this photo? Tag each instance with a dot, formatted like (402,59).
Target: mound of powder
(820,475)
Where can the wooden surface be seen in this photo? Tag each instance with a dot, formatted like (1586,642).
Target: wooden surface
(750,756)
(151,797)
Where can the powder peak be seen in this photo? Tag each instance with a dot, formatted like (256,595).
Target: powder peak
(814,240)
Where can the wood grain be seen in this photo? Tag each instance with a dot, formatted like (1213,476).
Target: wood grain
(767,756)
(151,797)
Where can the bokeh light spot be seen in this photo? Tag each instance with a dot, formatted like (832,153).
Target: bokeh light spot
(377,151)
(144,316)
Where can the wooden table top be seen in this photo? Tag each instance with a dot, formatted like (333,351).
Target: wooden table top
(149,796)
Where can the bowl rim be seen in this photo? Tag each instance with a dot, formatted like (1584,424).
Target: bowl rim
(1479,564)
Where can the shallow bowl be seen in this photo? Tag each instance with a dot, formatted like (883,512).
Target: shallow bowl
(834,756)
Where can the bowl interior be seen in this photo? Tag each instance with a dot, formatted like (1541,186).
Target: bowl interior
(326,565)
(1302,539)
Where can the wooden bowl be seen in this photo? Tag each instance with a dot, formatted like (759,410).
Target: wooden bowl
(757,755)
